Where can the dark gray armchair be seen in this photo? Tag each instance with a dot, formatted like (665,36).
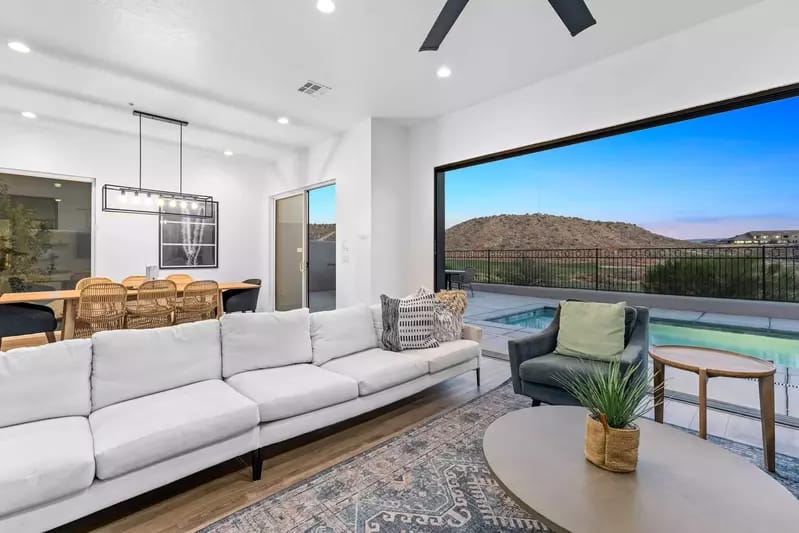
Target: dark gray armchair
(533,364)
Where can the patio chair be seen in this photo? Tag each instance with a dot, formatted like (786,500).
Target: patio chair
(534,366)
(467,279)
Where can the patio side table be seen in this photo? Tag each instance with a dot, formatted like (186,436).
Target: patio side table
(709,363)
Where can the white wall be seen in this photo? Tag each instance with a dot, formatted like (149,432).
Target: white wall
(125,243)
(389,207)
(743,52)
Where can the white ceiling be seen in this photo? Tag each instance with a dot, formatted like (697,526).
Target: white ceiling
(231,68)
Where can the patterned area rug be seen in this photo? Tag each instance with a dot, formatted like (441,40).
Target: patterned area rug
(432,478)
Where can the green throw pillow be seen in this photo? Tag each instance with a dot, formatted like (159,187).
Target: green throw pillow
(591,330)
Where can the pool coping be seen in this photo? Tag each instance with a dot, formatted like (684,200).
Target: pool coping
(780,327)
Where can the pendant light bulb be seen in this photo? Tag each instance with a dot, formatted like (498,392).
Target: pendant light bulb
(172,203)
(195,205)
(123,197)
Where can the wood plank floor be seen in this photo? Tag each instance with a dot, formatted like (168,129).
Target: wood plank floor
(205,497)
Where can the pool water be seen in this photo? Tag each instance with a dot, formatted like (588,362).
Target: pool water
(783,350)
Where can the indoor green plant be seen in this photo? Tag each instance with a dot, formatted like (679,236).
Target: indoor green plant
(615,398)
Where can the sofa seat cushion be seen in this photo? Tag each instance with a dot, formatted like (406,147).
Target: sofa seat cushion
(448,354)
(377,369)
(139,432)
(293,390)
(44,460)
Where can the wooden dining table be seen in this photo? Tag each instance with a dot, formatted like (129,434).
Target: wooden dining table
(70,299)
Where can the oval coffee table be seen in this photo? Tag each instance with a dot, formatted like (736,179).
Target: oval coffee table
(682,484)
(709,363)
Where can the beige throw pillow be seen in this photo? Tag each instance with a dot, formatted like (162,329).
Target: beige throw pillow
(591,330)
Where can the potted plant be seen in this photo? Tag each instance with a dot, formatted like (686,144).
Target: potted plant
(614,398)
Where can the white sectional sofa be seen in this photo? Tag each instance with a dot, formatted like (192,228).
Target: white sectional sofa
(85,424)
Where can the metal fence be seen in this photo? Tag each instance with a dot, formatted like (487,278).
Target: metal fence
(746,272)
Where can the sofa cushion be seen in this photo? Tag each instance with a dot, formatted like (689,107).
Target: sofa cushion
(132,363)
(408,321)
(377,369)
(44,460)
(591,329)
(341,332)
(293,390)
(545,369)
(448,354)
(377,321)
(251,341)
(47,381)
(139,432)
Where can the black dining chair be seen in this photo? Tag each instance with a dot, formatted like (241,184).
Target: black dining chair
(26,318)
(241,300)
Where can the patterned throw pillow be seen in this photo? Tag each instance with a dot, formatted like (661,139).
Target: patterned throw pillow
(408,322)
(448,315)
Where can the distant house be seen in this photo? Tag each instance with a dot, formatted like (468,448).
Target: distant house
(767,237)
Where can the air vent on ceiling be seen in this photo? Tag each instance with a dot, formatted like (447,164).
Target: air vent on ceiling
(315,89)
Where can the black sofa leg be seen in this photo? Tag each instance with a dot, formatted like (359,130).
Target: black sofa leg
(257,464)
(477,374)
(536,403)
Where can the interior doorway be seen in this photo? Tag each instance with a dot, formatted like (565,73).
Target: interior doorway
(305,249)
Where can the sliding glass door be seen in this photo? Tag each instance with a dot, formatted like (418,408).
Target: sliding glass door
(289,252)
(305,250)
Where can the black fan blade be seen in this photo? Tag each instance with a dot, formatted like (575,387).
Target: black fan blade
(449,14)
(574,14)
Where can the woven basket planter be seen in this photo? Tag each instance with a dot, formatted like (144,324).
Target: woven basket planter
(613,449)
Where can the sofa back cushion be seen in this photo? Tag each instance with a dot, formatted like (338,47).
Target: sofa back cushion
(47,381)
(252,341)
(132,363)
(341,332)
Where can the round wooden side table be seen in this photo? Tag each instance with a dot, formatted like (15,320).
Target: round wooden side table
(709,363)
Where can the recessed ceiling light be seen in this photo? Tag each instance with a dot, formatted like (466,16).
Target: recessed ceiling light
(57,185)
(28,114)
(58,200)
(228,152)
(17,46)
(444,72)
(326,6)
(283,120)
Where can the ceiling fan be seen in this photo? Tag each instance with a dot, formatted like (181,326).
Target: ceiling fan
(574,14)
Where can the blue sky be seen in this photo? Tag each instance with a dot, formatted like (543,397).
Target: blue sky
(710,177)
(322,205)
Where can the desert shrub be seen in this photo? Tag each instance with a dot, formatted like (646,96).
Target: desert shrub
(721,278)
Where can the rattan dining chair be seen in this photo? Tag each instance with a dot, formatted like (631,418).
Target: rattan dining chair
(101,307)
(180,279)
(199,302)
(85,282)
(133,281)
(154,306)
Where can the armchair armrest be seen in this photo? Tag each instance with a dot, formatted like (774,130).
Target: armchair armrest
(520,350)
(472,333)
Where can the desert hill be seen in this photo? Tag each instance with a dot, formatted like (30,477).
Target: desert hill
(540,231)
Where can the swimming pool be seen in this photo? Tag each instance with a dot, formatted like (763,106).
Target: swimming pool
(782,349)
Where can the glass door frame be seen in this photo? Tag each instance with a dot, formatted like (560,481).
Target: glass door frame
(273,247)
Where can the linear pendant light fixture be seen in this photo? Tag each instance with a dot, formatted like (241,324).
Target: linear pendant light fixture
(129,199)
